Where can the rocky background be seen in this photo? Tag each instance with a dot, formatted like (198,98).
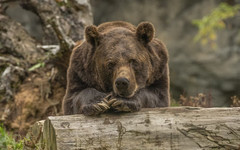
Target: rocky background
(194,68)
(36,38)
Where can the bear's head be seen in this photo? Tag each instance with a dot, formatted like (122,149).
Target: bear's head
(122,58)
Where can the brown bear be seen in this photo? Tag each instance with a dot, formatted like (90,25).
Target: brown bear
(118,67)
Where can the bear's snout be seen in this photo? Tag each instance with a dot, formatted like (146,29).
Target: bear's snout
(122,84)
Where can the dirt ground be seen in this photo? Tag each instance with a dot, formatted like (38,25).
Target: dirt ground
(39,96)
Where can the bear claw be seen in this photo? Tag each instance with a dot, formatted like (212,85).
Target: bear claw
(117,103)
(120,106)
(97,107)
(101,107)
(110,102)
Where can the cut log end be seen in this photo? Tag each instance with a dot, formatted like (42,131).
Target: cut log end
(159,128)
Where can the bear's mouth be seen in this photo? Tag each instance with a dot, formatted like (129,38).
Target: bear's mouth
(126,95)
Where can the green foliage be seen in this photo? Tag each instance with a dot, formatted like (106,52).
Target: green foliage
(36,66)
(7,142)
(174,103)
(209,24)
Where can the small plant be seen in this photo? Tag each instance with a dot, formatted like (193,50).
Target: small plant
(174,103)
(209,24)
(201,100)
(36,66)
(7,142)
(235,101)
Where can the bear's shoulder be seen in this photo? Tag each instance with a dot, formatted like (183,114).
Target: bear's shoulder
(105,27)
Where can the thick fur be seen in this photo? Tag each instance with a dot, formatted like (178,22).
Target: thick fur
(110,48)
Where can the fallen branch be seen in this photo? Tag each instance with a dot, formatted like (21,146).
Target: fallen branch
(62,56)
(160,128)
(66,43)
(52,48)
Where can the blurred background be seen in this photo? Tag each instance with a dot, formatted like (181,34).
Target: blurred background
(36,38)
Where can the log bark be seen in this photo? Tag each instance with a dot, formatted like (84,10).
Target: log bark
(160,128)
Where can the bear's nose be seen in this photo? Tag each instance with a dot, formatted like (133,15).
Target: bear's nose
(122,83)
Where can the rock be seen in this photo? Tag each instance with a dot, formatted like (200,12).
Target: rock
(15,41)
(73,15)
(36,34)
(11,77)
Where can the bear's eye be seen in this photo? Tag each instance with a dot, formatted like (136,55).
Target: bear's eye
(110,65)
(134,63)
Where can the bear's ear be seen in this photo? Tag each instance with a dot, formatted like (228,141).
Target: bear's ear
(145,32)
(92,35)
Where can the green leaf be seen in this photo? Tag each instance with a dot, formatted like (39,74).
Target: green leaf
(8,142)
(36,66)
(208,25)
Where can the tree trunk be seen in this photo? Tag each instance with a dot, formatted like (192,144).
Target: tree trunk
(160,128)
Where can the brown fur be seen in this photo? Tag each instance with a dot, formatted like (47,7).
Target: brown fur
(114,51)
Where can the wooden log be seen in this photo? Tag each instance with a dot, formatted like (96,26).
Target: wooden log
(158,128)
